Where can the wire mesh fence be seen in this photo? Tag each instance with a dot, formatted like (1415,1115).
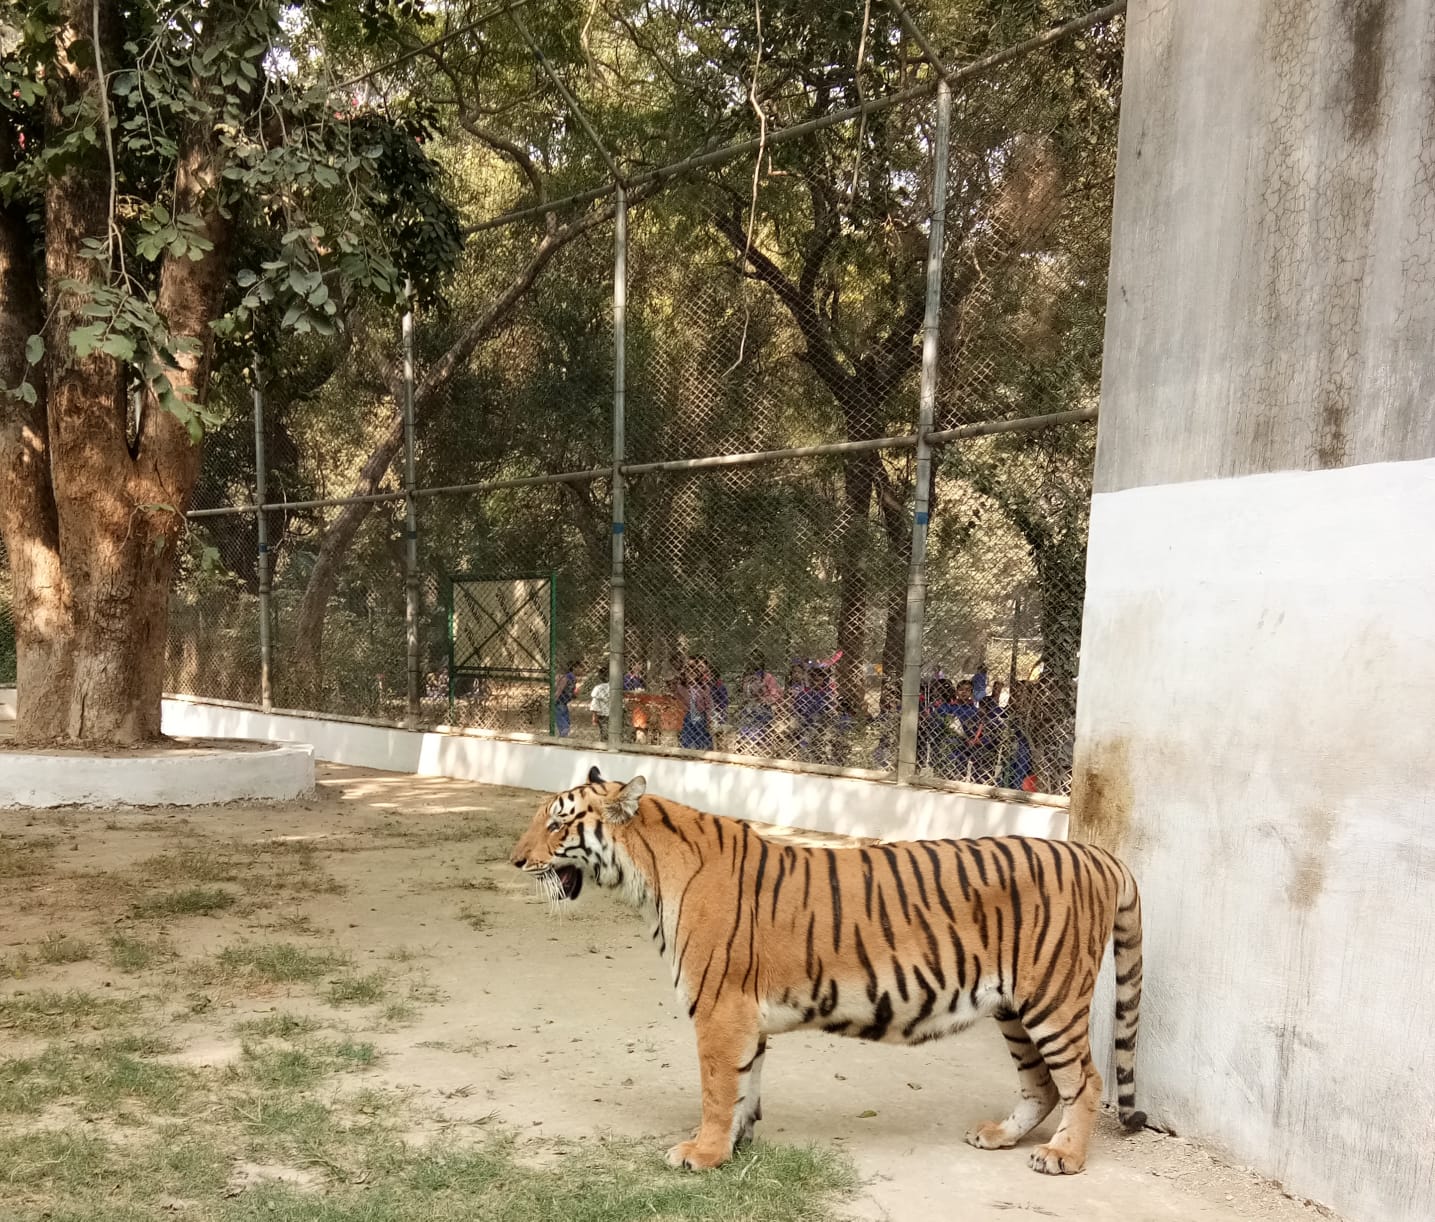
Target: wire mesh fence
(786,314)
(7,622)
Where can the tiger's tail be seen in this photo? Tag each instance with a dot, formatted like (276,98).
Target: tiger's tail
(1127,945)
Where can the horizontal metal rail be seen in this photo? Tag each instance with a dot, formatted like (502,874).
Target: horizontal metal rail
(985,428)
(1022,424)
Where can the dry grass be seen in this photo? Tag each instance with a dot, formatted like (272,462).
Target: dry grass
(111,1113)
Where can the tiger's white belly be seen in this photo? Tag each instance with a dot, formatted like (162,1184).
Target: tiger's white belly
(890,1019)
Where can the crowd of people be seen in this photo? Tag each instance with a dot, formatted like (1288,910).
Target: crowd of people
(968,729)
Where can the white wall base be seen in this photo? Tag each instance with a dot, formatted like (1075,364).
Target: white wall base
(845,805)
(198,777)
(1255,738)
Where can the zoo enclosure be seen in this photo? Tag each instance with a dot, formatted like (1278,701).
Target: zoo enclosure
(878,506)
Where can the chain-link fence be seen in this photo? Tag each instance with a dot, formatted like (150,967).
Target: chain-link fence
(798,374)
(7,622)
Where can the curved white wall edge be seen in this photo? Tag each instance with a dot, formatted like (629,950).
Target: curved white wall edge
(204,777)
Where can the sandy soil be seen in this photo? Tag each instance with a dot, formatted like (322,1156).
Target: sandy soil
(568,1027)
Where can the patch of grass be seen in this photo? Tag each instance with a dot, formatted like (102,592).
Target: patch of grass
(53,950)
(193,863)
(298,1067)
(26,856)
(190,901)
(97,1078)
(47,1012)
(358,1165)
(129,954)
(59,948)
(399,1013)
(72,1176)
(356,1055)
(261,869)
(599,1181)
(355,990)
(281,1024)
(474,918)
(426,994)
(296,923)
(273,963)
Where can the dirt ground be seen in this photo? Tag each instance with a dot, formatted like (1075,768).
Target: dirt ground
(497,1013)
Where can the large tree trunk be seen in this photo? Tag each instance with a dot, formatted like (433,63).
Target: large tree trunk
(92,522)
(28,520)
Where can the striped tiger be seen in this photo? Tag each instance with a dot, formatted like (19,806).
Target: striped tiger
(902,942)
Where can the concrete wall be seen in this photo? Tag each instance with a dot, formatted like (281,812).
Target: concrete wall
(847,805)
(1258,670)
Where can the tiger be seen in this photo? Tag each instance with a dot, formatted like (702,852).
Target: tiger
(901,942)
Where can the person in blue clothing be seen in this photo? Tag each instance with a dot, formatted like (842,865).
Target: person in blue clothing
(692,686)
(807,694)
(936,691)
(961,722)
(717,689)
(567,689)
(979,684)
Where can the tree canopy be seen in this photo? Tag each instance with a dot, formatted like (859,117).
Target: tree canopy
(775,300)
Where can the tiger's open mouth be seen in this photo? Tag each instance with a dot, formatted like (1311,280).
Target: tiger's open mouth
(570,881)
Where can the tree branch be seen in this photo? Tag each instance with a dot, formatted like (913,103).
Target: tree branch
(820,353)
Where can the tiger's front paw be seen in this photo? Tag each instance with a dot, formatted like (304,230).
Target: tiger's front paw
(990,1136)
(1056,1160)
(694,1157)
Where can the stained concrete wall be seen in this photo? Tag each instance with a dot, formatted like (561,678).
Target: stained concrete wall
(1258,670)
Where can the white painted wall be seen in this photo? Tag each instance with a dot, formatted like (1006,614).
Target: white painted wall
(1259,743)
(822,803)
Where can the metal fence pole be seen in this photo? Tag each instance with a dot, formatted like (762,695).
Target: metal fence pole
(917,573)
(411,522)
(616,667)
(1015,643)
(261,532)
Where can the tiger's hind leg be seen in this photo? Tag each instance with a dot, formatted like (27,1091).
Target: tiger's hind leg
(1063,1040)
(749,1108)
(1038,1092)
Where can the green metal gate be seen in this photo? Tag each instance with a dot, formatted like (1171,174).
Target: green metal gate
(501,632)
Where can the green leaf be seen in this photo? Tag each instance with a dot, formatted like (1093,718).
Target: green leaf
(246,278)
(84,339)
(26,391)
(121,347)
(34,349)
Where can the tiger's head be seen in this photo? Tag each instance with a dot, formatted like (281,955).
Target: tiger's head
(570,837)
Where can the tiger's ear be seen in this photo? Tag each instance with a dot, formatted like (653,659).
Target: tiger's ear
(625,805)
(594,776)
